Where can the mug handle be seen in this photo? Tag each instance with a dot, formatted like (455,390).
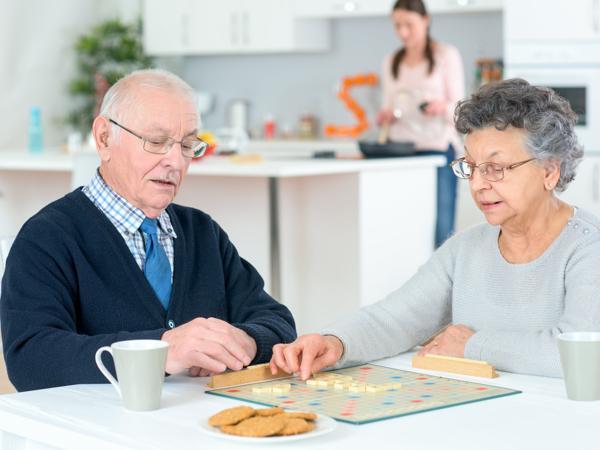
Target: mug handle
(104,370)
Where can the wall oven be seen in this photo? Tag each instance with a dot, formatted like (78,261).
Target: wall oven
(580,85)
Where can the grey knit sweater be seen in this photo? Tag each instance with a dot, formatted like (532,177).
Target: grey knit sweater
(516,310)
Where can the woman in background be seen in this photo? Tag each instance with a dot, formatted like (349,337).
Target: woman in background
(422,83)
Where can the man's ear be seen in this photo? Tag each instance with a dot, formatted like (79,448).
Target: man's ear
(101,132)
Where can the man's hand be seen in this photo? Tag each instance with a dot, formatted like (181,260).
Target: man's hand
(307,354)
(207,346)
(450,342)
(199,372)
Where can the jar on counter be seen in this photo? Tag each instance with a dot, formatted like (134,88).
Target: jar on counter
(307,126)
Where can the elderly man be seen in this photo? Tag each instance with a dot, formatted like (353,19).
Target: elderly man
(116,260)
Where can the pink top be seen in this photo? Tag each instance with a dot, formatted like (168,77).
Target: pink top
(415,86)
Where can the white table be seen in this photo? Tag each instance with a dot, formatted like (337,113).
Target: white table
(91,417)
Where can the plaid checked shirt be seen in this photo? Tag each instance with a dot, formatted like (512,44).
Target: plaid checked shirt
(127,220)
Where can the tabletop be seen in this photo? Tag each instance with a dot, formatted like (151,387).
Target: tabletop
(91,417)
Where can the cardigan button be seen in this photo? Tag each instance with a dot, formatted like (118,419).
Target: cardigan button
(171,323)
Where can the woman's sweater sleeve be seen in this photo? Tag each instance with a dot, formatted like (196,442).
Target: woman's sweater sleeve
(403,319)
(387,94)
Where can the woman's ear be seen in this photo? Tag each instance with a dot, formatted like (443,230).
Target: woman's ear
(551,174)
(101,132)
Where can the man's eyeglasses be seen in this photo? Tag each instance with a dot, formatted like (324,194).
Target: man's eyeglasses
(190,147)
(488,170)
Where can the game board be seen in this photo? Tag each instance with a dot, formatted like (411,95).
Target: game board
(418,393)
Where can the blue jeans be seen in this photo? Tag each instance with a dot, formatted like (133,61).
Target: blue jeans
(446,195)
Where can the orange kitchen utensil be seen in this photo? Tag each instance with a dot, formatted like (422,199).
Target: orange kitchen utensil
(369,79)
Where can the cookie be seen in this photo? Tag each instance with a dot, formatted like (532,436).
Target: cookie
(296,426)
(299,415)
(231,416)
(257,426)
(269,411)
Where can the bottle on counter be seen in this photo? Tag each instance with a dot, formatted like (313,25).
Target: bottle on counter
(35,133)
(269,127)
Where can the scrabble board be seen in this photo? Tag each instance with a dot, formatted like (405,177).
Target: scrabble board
(365,393)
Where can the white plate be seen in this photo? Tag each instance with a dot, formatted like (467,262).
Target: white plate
(325,424)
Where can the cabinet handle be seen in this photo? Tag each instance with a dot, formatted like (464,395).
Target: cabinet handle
(233,28)
(245,28)
(184,31)
(596,182)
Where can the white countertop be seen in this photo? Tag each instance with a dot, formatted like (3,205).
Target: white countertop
(271,166)
(302,145)
(91,417)
(51,161)
(295,167)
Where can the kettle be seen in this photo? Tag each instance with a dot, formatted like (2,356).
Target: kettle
(237,115)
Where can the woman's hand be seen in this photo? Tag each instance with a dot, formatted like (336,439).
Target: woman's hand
(307,354)
(450,342)
(435,108)
(385,116)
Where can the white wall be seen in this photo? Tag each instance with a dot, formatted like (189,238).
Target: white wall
(37,60)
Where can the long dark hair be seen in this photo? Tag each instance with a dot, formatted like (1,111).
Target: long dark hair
(419,7)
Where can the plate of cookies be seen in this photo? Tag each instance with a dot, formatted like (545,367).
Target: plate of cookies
(244,423)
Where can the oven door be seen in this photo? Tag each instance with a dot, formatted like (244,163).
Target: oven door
(580,86)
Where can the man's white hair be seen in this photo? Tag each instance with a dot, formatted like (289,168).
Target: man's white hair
(122,97)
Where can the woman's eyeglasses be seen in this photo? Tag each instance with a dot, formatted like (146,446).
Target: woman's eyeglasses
(488,170)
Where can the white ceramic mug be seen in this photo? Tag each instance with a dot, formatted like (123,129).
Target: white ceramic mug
(140,366)
(580,359)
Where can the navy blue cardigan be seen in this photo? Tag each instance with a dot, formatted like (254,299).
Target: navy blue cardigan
(71,286)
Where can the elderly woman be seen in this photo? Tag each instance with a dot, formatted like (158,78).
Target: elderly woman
(505,289)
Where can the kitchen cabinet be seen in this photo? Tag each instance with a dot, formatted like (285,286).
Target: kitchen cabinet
(584,191)
(364,8)
(181,27)
(341,8)
(552,20)
(463,6)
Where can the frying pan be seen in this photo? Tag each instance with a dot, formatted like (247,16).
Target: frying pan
(373,149)
(383,147)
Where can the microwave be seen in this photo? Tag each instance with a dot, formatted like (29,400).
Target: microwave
(579,85)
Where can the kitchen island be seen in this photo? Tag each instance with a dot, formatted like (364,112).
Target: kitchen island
(328,236)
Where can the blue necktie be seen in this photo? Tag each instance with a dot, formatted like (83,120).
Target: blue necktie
(157,268)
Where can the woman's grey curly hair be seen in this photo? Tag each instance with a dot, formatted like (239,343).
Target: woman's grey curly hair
(546,117)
